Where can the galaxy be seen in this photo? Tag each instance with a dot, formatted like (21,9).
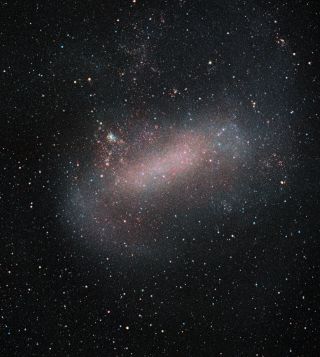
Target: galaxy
(160,178)
(153,172)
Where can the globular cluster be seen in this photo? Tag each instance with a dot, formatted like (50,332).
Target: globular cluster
(159,178)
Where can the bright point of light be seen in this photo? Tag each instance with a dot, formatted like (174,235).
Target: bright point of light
(111,137)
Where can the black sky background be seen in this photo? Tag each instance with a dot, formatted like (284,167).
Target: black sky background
(225,286)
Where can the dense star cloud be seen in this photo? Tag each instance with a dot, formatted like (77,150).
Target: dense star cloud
(139,177)
(160,178)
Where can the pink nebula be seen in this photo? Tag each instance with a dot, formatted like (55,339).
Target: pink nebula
(182,155)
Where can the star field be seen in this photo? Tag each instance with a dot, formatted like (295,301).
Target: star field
(160,178)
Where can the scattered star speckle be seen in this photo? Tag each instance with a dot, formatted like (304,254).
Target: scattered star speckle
(160,178)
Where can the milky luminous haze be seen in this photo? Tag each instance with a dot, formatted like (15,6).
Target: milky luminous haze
(141,175)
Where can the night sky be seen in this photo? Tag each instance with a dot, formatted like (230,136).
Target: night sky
(160,178)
